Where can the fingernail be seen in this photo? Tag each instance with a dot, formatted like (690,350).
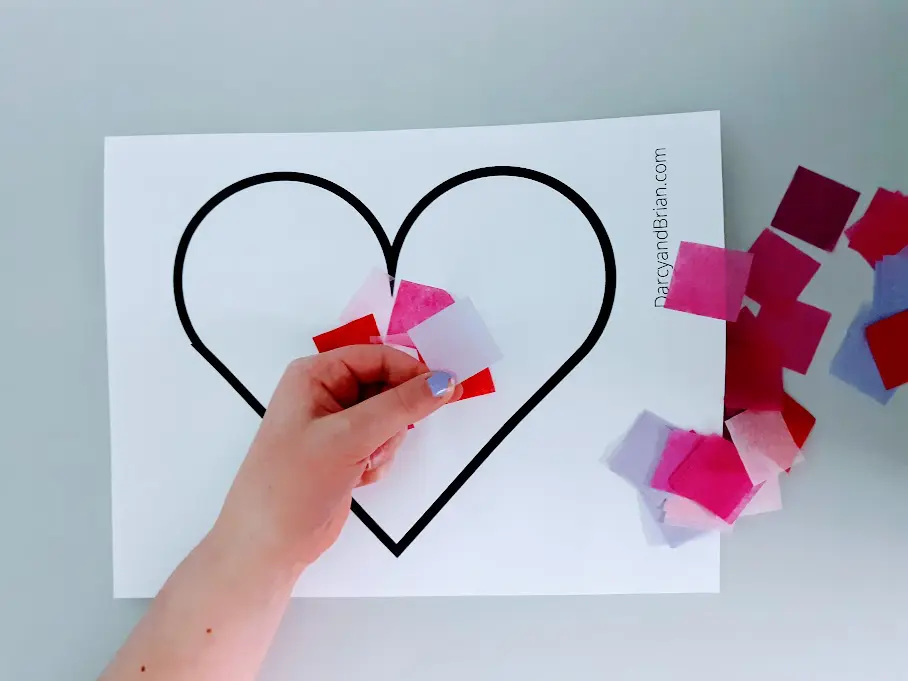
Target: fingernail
(378,458)
(441,383)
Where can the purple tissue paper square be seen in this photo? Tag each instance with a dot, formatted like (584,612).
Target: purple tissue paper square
(854,363)
(637,455)
(635,459)
(890,285)
(653,516)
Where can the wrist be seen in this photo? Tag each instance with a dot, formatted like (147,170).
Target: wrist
(251,559)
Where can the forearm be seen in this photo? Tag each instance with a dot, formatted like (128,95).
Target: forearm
(213,621)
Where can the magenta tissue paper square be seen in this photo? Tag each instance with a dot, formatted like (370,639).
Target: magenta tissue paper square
(780,271)
(714,476)
(796,328)
(414,304)
(709,281)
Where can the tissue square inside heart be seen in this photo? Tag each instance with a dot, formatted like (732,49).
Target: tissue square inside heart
(358,332)
(414,304)
(457,340)
(477,385)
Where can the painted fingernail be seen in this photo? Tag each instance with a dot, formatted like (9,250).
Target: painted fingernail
(441,383)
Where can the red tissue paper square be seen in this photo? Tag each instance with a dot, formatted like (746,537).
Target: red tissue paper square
(815,209)
(753,368)
(888,341)
(714,476)
(358,332)
(780,271)
(800,422)
(478,384)
(884,228)
(709,281)
(796,328)
(475,386)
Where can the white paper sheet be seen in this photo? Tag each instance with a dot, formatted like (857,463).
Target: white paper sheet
(276,263)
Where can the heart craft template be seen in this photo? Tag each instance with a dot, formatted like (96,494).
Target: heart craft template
(391,253)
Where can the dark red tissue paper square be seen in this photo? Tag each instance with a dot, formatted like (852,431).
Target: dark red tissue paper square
(884,228)
(815,209)
(796,328)
(800,422)
(753,369)
(888,341)
(780,271)
(358,332)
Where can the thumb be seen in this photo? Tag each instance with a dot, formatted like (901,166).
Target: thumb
(376,420)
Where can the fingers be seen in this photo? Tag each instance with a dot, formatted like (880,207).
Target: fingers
(338,376)
(379,463)
(385,454)
(373,476)
(367,364)
(371,423)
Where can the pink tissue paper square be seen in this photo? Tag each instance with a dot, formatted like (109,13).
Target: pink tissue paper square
(709,281)
(415,303)
(681,512)
(372,297)
(764,443)
(780,271)
(768,499)
(796,328)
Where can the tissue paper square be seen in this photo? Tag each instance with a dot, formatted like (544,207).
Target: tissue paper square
(358,332)
(414,303)
(815,209)
(890,285)
(888,341)
(457,340)
(714,476)
(753,370)
(854,363)
(780,271)
(796,328)
(884,228)
(709,281)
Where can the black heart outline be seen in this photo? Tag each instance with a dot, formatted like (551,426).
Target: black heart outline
(391,254)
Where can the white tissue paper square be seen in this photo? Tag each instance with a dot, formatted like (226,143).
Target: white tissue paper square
(456,340)
(373,297)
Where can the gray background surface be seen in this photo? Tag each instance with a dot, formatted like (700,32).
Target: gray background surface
(817,591)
